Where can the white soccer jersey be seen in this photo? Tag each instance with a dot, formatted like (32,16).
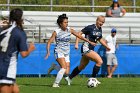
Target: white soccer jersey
(62,41)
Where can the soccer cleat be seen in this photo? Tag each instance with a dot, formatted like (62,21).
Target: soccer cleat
(68,80)
(98,82)
(55,85)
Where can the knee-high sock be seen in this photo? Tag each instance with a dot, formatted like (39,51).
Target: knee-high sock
(75,72)
(95,71)
(60,75)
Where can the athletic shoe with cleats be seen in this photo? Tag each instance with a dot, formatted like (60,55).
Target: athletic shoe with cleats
(68,80)
(55,85)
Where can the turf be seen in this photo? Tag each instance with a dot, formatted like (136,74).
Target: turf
(113,85)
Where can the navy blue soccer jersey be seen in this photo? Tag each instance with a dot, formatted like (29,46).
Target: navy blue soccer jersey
(93,34)
(8,59)
(17,41)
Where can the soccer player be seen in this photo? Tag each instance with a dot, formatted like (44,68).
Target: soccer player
(12,42)
(93,33)
(62,48)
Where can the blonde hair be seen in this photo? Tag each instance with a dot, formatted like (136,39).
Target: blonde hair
(101,16)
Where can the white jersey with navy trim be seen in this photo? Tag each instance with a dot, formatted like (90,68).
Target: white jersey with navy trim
(63,41)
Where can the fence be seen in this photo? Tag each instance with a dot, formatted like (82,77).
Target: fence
(128,60)
(125,34)
(40,25)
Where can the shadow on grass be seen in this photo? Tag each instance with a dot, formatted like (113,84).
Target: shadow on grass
(35,85)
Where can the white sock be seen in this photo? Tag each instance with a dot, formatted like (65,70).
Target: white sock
(60,75)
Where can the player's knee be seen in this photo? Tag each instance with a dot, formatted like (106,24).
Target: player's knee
(68,67)
(99,63)
(67,70)
(115,66)
(64,67)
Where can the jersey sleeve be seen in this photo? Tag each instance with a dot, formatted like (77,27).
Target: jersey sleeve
(22,43)
(57,31)
(86,30)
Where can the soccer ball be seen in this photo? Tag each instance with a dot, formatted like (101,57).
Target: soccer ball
(92,82)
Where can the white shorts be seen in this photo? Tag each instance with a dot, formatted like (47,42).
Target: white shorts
(85,49)
(111,59)
(61,55)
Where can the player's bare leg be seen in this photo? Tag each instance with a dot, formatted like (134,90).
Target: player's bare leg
(77,70)
(61,72)
(96,58)
(15,88)
(67,69)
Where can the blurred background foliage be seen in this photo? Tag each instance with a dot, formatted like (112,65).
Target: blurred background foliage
(68,2)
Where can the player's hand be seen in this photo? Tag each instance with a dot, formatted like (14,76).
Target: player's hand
(31,46)
(108,49)
(3,23)
(76,47)
(47,55)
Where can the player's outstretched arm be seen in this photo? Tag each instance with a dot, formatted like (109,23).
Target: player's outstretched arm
(49,43)
(79,35)
(76,43)
(30,49)
(103,42)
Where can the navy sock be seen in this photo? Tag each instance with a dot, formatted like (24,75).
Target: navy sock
(95,71)
(75,72)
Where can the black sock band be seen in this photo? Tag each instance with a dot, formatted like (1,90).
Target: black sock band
(95,71)
(75,72)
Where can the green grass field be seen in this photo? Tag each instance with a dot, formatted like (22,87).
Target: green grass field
(114,85)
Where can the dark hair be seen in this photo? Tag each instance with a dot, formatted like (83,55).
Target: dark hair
(113,5)
(61,18)
(16,15)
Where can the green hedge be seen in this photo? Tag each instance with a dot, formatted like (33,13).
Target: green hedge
(70,2)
